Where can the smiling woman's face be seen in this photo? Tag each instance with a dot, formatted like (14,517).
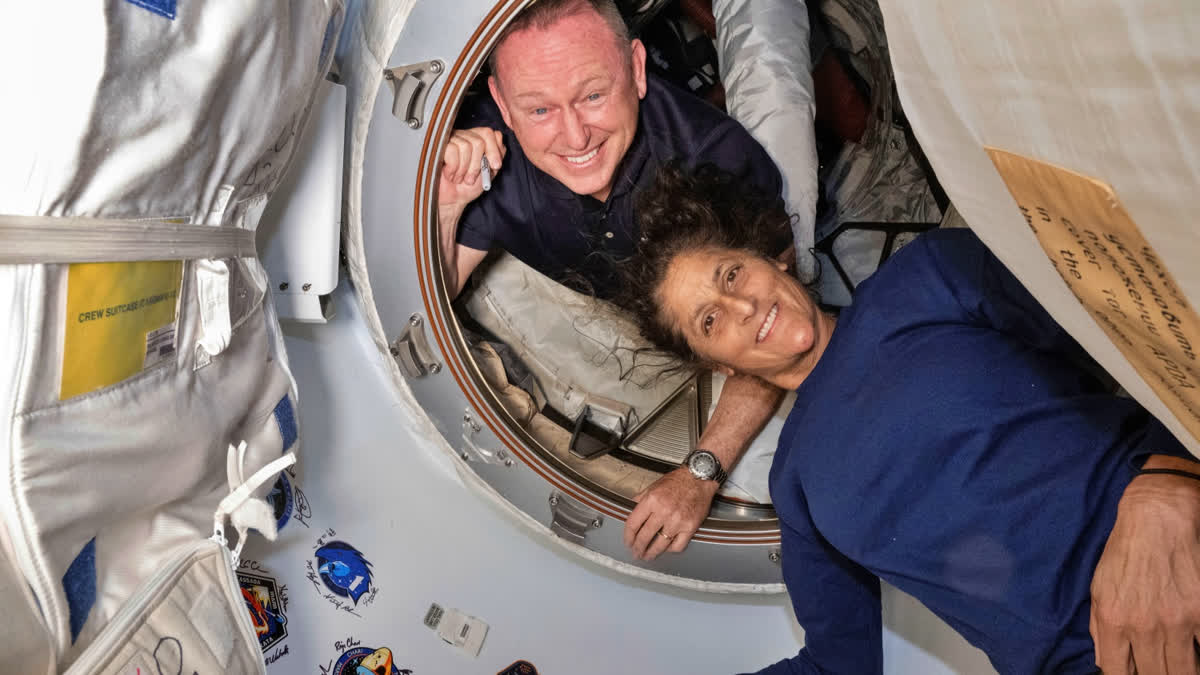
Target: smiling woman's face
(738,310)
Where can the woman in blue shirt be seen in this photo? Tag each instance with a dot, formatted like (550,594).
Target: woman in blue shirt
(947,436)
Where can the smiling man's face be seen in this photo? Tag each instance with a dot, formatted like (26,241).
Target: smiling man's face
(570,93)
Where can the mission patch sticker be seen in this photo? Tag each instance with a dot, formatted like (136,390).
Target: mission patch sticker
(265,604)
(521,667)
(281,500)
(341,574)
(355,659)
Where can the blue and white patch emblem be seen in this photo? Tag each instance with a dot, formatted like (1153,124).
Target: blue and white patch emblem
(341,575)
(344,570)
(160,7)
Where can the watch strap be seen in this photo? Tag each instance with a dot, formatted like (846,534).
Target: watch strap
(721,474)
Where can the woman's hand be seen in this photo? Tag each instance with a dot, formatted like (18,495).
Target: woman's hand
(1146,588)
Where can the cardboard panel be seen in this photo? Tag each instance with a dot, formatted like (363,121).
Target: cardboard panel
(1115,273)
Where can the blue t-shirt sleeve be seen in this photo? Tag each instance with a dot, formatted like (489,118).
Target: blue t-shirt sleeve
(990,295)
(732,148)
(477,225)
(836,603)
(987,294)
(1158,440)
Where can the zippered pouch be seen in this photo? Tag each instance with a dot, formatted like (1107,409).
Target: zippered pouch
(189,618)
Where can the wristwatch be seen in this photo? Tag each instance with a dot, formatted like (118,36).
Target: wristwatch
(705,466)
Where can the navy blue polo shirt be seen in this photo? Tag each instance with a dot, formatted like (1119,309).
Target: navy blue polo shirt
(951,441)
(576,239)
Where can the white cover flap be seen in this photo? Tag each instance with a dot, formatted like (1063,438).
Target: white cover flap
(1108,91)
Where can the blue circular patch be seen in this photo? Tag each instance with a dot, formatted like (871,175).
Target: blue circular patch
(281,500)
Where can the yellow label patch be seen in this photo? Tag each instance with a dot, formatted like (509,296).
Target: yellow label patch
(121,320)
(1117,276)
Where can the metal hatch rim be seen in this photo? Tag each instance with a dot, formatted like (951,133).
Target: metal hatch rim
(444,325)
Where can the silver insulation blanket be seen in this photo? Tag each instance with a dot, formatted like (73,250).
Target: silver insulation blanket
(767,71)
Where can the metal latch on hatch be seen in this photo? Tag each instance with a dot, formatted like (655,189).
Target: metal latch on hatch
(410,87)
(570,519)
(411,350)
(474,452)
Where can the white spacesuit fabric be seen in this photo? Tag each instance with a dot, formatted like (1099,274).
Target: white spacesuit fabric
(24,640)
(63,239)
(189,617)
(122,384)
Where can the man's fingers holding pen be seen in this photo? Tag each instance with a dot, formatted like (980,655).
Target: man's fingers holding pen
(465,151)
(492,158)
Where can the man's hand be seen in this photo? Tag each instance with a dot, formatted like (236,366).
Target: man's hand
(668,513)
(1146,588)
(461,163)
(458,186)
(678,502)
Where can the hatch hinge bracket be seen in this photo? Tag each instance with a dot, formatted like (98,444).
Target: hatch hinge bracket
(410,88)
(570,519)
(411,350)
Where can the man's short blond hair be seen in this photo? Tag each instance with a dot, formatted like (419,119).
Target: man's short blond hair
(542,14)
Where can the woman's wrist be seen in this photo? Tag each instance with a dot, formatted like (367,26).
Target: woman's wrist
(1169,483)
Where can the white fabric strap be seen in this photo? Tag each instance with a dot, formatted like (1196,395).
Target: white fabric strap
(212,282)
(70,239)
(242,494)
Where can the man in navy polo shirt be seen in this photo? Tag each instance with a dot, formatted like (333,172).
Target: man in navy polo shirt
(575,128)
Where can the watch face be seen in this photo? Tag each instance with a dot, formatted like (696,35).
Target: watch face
(703,465)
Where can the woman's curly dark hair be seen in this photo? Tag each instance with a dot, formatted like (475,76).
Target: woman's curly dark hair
(685,210)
